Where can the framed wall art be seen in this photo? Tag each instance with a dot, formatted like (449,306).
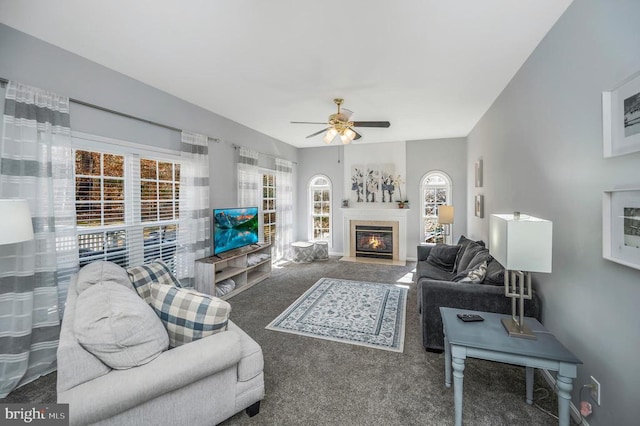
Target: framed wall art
(479,174)
(479,206)
(621,118)
(621,226)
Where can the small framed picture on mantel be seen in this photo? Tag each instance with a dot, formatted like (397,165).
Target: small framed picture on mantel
(621,118)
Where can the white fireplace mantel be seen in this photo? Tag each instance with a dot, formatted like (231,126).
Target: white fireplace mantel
(376,214)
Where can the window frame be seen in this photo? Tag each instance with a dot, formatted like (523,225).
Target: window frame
(272,212)
(310,204)
(423,204)
(133,226)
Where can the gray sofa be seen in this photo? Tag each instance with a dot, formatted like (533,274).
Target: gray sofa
(198,383)
(452,276)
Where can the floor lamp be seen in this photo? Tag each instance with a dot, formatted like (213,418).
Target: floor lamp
(522,244)
(445,217)
(15,225)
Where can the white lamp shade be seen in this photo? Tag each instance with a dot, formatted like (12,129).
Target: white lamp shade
(445,215)
(522,244)
(15,221)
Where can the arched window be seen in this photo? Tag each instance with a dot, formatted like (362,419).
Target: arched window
(320,208)
(435,189)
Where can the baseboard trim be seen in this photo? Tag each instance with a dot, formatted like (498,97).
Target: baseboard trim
(575,413)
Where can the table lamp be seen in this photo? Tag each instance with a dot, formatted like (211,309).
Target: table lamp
(15,222)
(445,217)
(522,244)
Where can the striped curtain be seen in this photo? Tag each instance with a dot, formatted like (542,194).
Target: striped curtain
(194,227)
(284,208)
(249,185)
(36,164)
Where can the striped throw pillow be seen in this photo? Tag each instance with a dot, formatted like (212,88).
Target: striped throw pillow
(188,315)
(155,272)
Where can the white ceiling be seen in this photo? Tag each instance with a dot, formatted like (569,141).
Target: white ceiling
(430,67)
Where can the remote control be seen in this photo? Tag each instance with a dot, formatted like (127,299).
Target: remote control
(470,317)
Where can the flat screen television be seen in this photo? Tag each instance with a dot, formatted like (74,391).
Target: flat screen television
(234,228)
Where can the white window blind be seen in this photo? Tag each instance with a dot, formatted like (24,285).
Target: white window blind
(127,206)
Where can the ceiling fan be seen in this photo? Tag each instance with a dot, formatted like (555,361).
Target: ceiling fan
(340,125)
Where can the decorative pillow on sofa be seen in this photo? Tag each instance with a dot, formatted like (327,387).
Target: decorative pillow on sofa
(464,257)
(101,272)
(481,256)
(155,272)
(495,273)
(475,275)
(114,324)
(188,315)
(443,256)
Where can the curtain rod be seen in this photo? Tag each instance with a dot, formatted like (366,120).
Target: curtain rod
(262,153)
(4,81)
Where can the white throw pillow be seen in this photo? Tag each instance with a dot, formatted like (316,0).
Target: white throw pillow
(100,272)
(118,327)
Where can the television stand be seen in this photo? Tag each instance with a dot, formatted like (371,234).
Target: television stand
(234,264)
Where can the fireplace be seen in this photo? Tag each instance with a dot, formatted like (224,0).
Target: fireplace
(374,241)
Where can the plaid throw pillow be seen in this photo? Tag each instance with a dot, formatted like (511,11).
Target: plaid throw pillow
(187,314)
(155,272)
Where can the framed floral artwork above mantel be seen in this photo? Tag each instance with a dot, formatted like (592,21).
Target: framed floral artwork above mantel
(621,118)
(621,226)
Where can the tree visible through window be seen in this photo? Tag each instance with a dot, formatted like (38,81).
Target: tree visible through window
(116,221)
(320,207)
(159,206)
(436,191)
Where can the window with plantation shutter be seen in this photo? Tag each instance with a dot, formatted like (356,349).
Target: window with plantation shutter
(159,204)
(127,206)
(269,207)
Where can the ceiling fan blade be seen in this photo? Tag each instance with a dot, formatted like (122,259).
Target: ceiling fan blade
(317,133)
(358,135)
(371,124)
(308,122)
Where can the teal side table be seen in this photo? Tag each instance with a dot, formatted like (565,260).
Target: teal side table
(488,340)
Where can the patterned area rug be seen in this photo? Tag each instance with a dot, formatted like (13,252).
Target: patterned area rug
(359,313)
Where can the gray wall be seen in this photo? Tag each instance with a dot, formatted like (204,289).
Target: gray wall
(445,155)
(327,161)
(32,61)
(541,143)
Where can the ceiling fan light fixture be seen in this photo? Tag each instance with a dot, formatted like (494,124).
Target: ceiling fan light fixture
(330,135)
(350,134)
(347,136)
(340,124)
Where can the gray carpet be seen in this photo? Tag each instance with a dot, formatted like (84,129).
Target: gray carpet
(318,382)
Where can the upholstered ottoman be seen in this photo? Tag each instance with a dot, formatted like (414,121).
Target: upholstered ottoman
(302,252)
(321,250)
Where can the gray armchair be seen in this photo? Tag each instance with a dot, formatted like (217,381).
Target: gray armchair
(199,383)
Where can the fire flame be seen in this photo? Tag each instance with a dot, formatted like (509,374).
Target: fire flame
(375,241)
